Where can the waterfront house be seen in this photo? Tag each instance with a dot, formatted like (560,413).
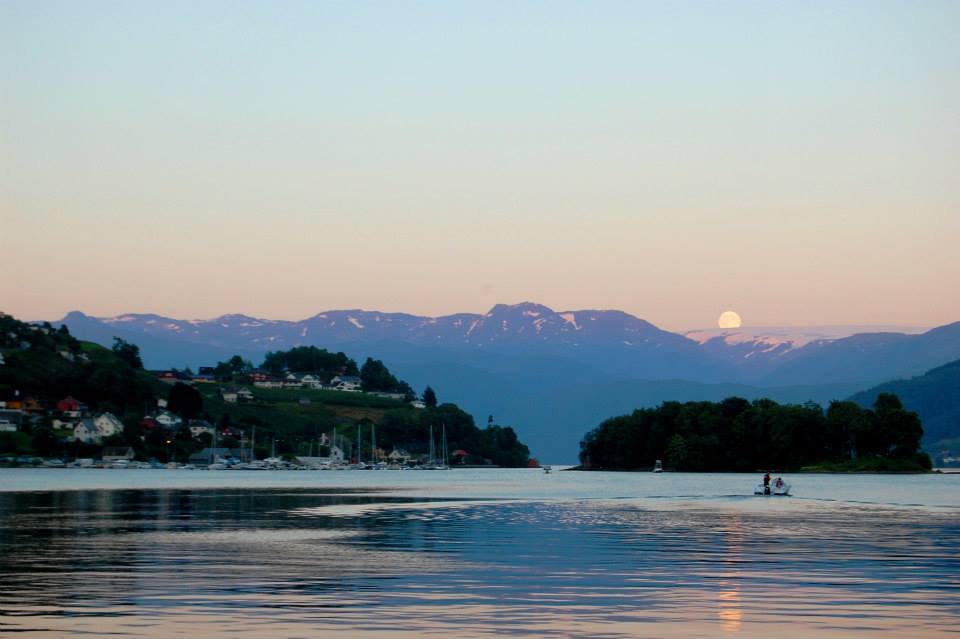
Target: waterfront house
(244,395)
(108,424)
(399,456)
(229,395)
(86,432)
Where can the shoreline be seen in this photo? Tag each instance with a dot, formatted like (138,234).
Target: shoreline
(934,471)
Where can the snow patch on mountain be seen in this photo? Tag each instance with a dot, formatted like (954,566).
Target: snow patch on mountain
(570,318)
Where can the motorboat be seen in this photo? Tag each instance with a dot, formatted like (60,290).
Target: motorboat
(548,469)
(658,467)
(778,488)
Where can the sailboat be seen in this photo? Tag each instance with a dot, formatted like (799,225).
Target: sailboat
(445,462)
(433,463)
(215,462)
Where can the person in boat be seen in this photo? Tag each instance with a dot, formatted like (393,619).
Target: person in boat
(766,483)
(778,483)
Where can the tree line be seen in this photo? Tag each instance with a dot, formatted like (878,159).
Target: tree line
(743,436)
(374,374)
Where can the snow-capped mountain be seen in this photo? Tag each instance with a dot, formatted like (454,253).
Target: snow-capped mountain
(760,349)
(555,374)
(613,341)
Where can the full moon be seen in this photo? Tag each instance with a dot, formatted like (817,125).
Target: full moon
(729,319)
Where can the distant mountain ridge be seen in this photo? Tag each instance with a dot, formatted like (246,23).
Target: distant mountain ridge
(526,360)
(935,396)
(611,340)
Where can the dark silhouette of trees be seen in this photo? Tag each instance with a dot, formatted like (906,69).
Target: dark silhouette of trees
(429,397)
(737,435)
(374,376)
(310,359)
(130,353)
(184,400)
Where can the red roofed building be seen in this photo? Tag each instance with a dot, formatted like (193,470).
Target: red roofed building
(70,404)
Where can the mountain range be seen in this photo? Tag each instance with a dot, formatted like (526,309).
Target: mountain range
(555,374)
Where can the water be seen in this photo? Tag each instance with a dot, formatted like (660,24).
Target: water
(135,553)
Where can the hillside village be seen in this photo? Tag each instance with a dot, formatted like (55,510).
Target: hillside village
(69,400)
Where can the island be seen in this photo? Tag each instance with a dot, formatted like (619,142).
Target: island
(736,435)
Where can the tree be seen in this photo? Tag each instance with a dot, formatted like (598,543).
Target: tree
(130,353)
(184,400)
(676,452)
(899,430)
(374,376)
(44,442)
(430,397)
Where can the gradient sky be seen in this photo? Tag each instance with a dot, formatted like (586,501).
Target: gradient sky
(797,162)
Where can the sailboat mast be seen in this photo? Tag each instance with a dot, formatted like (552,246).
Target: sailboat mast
(432,451)
(445,455)
(373,443)
(359,448)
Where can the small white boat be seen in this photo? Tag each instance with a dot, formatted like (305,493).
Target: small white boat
(547,469)
(658,467)
(778,488)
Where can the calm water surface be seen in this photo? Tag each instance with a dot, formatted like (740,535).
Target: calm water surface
(473,553)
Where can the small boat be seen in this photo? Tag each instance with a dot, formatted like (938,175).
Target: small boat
(778,488)
(658,467)
(547,469)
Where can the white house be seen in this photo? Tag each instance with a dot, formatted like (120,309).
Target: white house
(63,424)
(268,383)
(348,383)
(229,396)
(334,459)
(418,403)
(86,432)
(291,381)
(198,427)
(107,424)
(399,456)
(311,381)
(168,420)
(244,395)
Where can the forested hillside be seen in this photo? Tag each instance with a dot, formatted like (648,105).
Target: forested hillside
(737,435)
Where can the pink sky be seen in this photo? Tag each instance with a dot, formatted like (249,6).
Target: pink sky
(795,163)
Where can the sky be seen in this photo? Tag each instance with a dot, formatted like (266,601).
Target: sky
(796,162)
